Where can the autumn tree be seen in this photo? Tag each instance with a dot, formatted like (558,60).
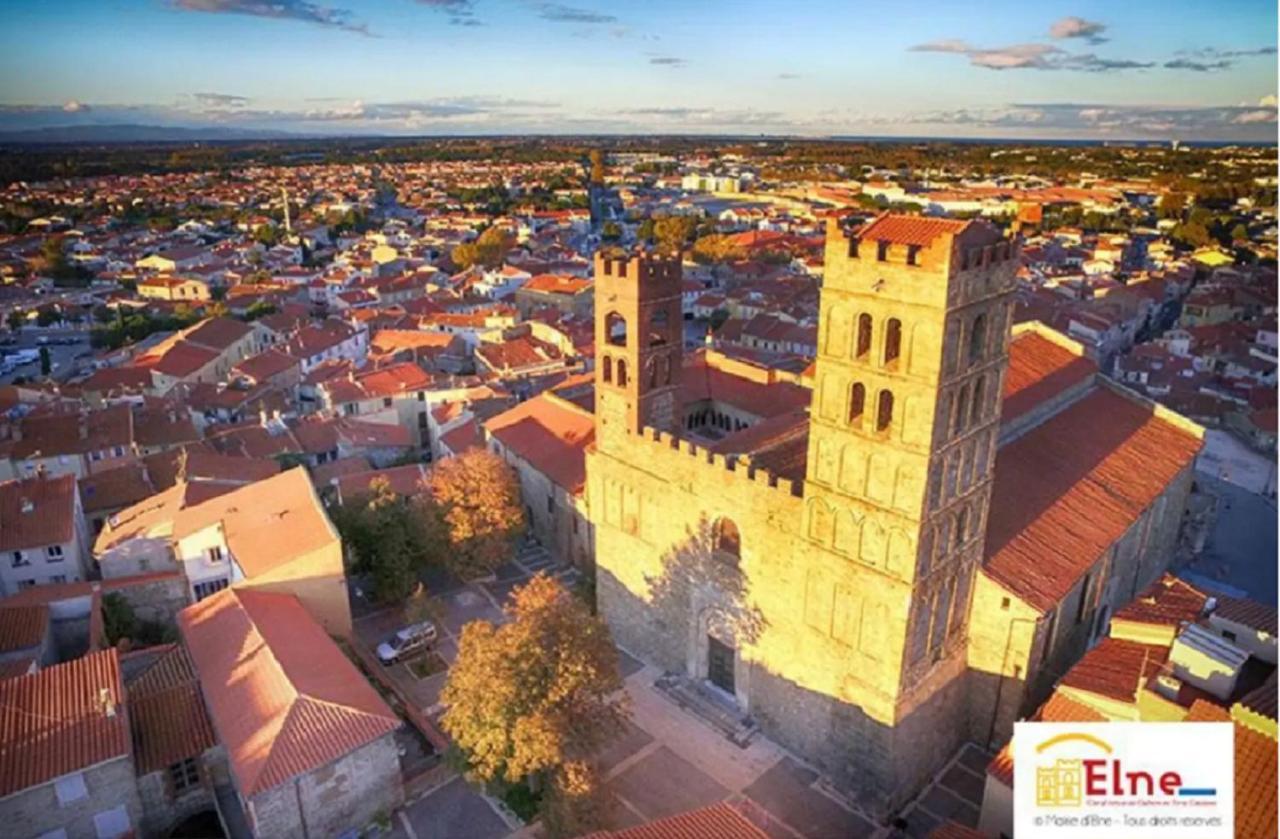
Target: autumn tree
(476,502)
(672,232)
(597,166)
(488,250)
(533,700)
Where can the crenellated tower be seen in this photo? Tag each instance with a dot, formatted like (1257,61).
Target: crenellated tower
(639,335)
(913,345)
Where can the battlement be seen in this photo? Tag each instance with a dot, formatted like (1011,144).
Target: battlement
(642,269)
(666,448)
(919,242)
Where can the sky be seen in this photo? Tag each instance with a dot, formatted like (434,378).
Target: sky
(1126,69)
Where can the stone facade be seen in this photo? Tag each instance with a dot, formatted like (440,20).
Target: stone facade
(344,796)
(163,807)
(845,610)
(845,598)
(110,793)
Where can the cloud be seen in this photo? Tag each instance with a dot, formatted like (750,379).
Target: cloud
(1197,66)
(221,100)
(71,106)
(1091,63)
(561,13)
(460,12)
(668,61)
(1212,59)
(1031,57)
(1038,56)
(1077,27)
(1068,119)
(302,10)
(788,76)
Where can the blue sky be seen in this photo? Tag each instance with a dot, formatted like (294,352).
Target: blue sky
(1192,70)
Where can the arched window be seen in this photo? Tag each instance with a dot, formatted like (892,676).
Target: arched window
(976,413)
(857,403)
(727,542)
(960,415)
(622,372)
(615,329)
(608,370)
(892,342)
(884,413)
(962,528)
(978,338)
(864,335)
(659,327)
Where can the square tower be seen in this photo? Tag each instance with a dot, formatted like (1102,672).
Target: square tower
(913,345)
(639,341)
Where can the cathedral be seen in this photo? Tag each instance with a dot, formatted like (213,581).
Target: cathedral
(895,551)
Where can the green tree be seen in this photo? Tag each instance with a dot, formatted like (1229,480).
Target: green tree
(1240,233)
(388,537)
(46,363)
(645,231)
(533,700)
(47,316)
(16,319)
(118,620)
(611,231)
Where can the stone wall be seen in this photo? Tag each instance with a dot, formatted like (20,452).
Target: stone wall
(36,811)
(164,809)
(346,795)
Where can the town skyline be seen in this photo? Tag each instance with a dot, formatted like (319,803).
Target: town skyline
(1084,71)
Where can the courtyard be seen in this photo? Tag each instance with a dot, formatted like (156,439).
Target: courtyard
(666,760)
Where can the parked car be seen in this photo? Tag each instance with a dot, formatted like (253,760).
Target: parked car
(412,639)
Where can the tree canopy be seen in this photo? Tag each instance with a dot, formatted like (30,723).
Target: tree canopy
(536,698)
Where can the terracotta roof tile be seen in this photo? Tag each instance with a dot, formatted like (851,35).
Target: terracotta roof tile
(23,627)
(551,435)
(61,720)
(1256,774)
(1116,668)
(718,821)
(1068,489)
(168,714)
(1039,370)
(1248,612)
(36,512)
(909,230)
(1168,601)
(282,697)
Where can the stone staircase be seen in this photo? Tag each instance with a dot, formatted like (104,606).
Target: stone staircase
(714,710)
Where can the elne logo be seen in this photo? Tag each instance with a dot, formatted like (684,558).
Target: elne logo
(1071,782)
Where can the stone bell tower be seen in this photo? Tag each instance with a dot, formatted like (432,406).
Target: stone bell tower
(638,335)
(913,345)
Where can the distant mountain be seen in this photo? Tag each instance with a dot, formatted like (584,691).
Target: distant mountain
(135,134)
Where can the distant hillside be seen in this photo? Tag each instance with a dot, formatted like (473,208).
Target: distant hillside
(134,134)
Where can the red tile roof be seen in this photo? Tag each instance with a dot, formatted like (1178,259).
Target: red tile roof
(551,435)
(282,697)
(1247,612)
(719,821)
(60,720)
(1116,669)
(1168,601)
(1068,489)
(168,714)
(23,627)
(1039,370)
(955,830)
(1256,774)
(909,230)
(36,512)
